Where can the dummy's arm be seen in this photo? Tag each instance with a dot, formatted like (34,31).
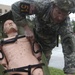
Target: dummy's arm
(2,59)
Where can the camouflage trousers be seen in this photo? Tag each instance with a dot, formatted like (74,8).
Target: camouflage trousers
(69,56)
(46,46)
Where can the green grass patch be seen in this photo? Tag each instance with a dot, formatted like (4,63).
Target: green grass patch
(1,70)
(55,71)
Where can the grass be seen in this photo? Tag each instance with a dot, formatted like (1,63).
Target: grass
(55,71)
(1,70)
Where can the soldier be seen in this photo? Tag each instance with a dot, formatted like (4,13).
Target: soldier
(51,20)
(18,55)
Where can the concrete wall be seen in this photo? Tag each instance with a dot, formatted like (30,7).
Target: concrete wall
(4,8)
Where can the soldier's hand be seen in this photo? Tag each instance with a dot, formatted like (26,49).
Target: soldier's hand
(29,33)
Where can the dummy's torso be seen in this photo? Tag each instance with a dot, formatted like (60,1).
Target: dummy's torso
(19,54)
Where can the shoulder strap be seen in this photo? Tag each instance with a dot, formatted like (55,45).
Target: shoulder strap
(2,42)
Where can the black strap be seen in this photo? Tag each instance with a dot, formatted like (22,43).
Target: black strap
(40,50)
(22,69)
(57,40)
(11,40)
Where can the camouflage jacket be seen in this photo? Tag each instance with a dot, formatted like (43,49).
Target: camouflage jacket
(48,30)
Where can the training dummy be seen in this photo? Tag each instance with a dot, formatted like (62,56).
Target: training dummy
(18,53)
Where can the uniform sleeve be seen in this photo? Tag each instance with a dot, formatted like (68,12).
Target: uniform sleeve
(68,46)
(23,8)
(29,7)
(18,18)
(20,10)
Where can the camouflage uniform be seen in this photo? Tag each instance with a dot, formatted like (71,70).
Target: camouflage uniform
(46,31)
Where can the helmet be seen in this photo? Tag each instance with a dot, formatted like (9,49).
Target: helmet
(66,5)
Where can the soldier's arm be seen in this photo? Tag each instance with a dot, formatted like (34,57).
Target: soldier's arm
(24,8)
(68,45)
(19,12)
(21,9)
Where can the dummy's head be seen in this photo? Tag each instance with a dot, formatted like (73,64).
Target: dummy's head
(10,27)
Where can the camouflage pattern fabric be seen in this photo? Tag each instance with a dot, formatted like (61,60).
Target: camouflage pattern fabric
(66,5)
(47,31)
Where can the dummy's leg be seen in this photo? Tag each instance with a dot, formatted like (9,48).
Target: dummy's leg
(3,60)
(37,71)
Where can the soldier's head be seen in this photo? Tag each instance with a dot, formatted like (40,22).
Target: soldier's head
(61,9)
(10,27)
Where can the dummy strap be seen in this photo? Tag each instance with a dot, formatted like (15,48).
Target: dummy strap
(40,50)
(23,69)
(2,42)
(15,39)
